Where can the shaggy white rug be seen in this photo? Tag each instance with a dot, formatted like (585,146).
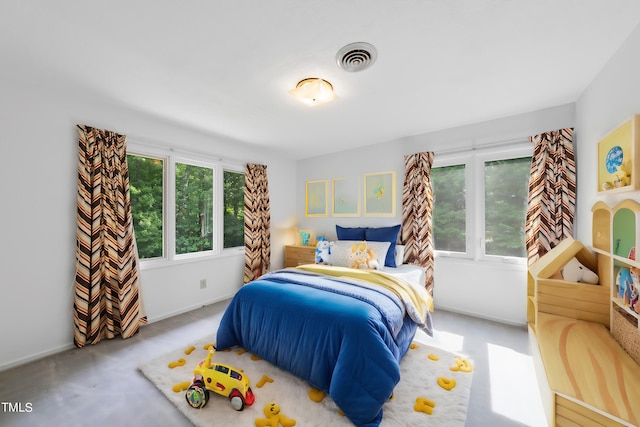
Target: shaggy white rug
(419,381)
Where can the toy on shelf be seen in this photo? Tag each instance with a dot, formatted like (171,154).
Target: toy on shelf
(574,271)
(222,379)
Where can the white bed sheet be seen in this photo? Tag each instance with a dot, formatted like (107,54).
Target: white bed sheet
(413,274)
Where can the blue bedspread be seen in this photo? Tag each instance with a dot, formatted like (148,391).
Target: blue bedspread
(339,336)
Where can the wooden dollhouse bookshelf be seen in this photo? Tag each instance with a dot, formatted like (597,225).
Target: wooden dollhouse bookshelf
(585,376)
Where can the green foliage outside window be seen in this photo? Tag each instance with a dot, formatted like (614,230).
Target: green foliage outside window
(506,193)
(146,190)
(449,213)
(233,209)
(194,208)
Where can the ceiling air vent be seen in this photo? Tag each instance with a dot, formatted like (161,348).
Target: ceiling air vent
(356,56)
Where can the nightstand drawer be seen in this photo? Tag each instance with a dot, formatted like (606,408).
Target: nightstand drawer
(295,255)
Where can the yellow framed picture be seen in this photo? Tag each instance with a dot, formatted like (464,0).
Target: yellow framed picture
(617,158)
(380,194)
(346,200)
(317,203)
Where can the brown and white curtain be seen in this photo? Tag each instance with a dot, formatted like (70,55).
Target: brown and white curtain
(552,192)
(107,296)
(257,221)
(417,212)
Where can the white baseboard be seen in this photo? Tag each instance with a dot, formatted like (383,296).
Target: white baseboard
(36,356)
(480,315)
(188,309)
(70,345)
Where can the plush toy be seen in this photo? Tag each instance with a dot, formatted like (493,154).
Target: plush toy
(363,257)
(574,271)
(323,250)
(274,417)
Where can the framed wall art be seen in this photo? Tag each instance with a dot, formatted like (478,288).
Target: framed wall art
(379,194)
(618,164)
(316,203)
(346,197)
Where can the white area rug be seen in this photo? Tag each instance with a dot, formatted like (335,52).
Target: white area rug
(419,379)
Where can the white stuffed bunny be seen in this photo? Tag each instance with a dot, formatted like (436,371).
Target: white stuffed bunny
(574,271)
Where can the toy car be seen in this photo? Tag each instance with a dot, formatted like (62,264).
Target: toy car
(222,379)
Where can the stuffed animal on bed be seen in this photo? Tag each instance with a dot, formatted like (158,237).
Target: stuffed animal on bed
(363,257)
(323,250)
(574,271)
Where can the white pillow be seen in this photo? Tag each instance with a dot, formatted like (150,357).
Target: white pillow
(359,254)
(399,255)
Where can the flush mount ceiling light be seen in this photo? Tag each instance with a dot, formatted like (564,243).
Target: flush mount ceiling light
(313,91)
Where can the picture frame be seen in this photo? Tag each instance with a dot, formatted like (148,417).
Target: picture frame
(618,165)
(346,199)
(316,200)
(380,194)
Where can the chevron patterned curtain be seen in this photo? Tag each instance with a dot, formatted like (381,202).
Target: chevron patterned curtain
(417,210)
(257,221)
(552,192)
(107,296)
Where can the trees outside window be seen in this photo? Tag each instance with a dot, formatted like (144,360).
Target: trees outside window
(233,209)
(146,186)
(450,210)
(184,208)
(194,208)
(480,203)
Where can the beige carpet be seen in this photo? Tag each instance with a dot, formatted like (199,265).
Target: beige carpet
(419,383)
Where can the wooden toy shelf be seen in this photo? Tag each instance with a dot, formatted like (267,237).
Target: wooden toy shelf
(587,374)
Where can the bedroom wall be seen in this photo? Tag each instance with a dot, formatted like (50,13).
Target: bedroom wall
(38,179)
(611,98)
(492,290)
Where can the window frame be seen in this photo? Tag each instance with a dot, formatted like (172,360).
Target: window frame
(170,157)
(474,160)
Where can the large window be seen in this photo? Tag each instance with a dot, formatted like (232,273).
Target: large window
(233,209)
(146,186)
(184,208)
(506,187)
(450,209)
(481,202)
(194,208)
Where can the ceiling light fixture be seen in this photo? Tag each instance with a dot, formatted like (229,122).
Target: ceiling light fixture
(314,91)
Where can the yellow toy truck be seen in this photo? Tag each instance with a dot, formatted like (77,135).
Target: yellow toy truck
(222,379)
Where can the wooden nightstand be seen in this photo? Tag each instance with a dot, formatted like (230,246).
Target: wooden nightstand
(295,255)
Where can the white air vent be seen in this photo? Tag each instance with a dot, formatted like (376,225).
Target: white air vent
(356,56)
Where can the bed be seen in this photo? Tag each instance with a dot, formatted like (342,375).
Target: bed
(342,330)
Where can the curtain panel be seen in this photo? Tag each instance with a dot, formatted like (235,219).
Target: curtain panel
(107,296)
(257,222)
(552,192)
(417,212)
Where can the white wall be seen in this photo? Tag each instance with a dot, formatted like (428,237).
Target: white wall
(39,177)
(611,98)
(492,290)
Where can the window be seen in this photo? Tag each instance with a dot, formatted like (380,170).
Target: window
(480,202)
(146,186)
(233,217)
(449,212)
(184,208)
(194,208)
(506,189)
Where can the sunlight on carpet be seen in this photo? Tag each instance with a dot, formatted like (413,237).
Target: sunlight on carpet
(511,375)
(419,381)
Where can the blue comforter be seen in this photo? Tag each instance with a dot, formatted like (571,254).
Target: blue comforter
(342,337)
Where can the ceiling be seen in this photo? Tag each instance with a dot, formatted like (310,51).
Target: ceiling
(225,67)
